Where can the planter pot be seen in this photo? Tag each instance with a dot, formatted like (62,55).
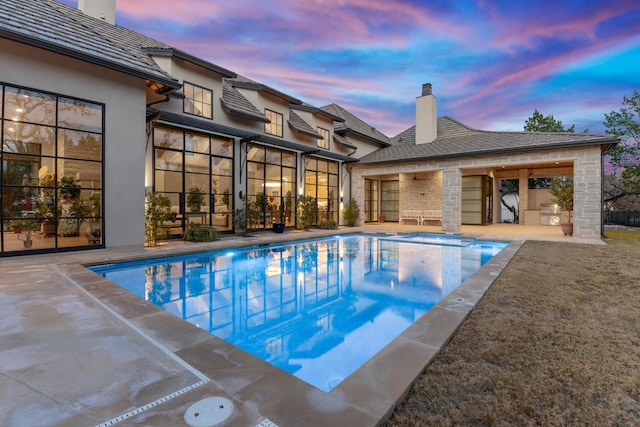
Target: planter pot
(278,228)
(381,218)
(194,208)
(49,228)
(567,228)
(93,232)
(27,243)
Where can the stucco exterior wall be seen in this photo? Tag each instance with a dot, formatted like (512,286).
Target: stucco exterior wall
(124,133)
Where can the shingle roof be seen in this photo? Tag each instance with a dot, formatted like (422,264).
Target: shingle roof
(242,81)
(180,54)
(341,140)
(299,125)
(354,124)
(53,26)
(234,103)
(455,139)
(315,110)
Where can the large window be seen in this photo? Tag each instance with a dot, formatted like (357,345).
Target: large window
(271,186)
(324,142)
(321,182)
(197,101)
(274,127)
(52,171)
(188,160)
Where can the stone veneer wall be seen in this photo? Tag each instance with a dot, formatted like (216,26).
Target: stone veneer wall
(421,190)
(587,178)
(587,194)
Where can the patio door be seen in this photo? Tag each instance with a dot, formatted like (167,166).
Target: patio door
(187,161)
(390,200)
(477,200)
(371,200)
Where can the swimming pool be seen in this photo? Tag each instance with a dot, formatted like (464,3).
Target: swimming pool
(316,309)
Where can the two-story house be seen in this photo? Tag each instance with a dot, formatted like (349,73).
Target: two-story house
(94,115)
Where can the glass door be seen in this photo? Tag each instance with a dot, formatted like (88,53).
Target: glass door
(389,200)
(371,205)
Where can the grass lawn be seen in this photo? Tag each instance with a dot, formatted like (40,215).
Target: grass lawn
(555,341)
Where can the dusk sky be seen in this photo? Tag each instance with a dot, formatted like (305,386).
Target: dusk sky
(491,63)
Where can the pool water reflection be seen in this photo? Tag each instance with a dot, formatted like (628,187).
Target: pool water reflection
(316,309)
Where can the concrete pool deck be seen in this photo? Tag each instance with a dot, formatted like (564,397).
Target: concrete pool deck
(78,350)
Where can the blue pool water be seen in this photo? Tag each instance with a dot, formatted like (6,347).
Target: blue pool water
(316,309)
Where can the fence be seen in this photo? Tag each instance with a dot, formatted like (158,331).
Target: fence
(628,218)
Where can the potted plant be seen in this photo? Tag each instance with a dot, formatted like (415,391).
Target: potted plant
(247,216)
(351,212)
(278,227)
(195,199)
(26,226)
(94,228)
(225,197)
(47,219)
(69,189)
(562,191)
(78,211)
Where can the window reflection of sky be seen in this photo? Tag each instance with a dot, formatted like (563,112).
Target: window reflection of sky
(317,310)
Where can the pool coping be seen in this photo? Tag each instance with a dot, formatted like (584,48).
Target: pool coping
(260,391)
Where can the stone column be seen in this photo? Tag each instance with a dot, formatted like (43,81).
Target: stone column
(587,195)
(451,200)
(523,194)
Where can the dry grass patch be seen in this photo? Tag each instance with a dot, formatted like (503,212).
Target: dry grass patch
(555,341)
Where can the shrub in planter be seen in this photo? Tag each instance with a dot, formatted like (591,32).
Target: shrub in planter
(328,225)
(246,217)
(157,210)
(307,211)
(351,212)
(202,233)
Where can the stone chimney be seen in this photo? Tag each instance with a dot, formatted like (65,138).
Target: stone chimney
(426,116)
(101,9)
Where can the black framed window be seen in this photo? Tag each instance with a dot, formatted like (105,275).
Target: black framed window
(274,127)
(197,100)
(185,160)
(271,186)
(52,171)
(324,142)
(321,182)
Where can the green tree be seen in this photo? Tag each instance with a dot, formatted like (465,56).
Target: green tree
(624,181)
(540,123)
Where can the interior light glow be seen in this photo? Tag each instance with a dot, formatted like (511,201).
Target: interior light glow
(273,271)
